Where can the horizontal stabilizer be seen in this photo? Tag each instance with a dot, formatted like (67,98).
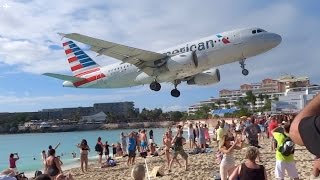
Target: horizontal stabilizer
(64,77)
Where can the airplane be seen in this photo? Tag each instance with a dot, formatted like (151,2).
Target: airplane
(193,62)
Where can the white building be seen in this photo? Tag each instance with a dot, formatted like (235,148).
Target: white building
(98,118)
(295,99)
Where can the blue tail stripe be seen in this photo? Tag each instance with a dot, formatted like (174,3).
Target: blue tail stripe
(88,64)
(85,60)
(75,49)
(78,53)
(82,56)
(72,45)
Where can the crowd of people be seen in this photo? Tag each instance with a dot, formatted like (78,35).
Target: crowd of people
(283,130)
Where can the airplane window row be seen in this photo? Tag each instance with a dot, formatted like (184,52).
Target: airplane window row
(258,31)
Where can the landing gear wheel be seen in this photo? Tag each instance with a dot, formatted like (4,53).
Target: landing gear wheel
(245,72)
(155,86)
(175,93)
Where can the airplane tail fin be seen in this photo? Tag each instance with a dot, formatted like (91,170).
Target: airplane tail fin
(78,60)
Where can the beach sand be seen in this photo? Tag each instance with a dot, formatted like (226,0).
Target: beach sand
(201,166)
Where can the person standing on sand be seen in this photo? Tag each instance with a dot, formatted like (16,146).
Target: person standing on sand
(178,142)
(84,151)
(123,139)
(99,149)
(151,139)
(284,162)
(227,164)
(138,139)
(166,140)
(132,148)
(143,141)
(316,169)
(190,136)
(106,150)
(206,134)
(202,140)
(250,170)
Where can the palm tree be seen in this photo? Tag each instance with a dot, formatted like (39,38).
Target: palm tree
(251,98)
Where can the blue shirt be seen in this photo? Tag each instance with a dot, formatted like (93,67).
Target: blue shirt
(132,144)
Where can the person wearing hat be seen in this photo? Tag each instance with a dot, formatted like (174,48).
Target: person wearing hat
(227,164)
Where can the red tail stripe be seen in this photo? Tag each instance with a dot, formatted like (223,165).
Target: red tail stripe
(89,79)
(68,51)
(87,72)
(74,68)
(72,59)
(65,43)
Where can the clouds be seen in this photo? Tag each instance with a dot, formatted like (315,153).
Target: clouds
(29,41)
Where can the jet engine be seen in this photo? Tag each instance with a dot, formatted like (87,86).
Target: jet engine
(210,76)
(182,62)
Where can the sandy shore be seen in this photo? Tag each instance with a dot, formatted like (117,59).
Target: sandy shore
(201,166)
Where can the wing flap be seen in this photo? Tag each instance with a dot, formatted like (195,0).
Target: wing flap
(64,77)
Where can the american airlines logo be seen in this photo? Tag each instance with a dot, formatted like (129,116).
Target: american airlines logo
(200,46)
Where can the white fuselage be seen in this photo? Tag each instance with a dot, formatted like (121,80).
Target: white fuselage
(212,51)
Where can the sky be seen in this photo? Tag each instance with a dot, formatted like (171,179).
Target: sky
(30,46)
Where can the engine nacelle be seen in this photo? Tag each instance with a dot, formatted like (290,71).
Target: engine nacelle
(210,76)
(183,62)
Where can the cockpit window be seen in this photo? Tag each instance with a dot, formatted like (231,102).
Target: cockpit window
(254,31)
(260,30)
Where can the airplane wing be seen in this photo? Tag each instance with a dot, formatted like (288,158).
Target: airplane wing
(126,54)
(64,77)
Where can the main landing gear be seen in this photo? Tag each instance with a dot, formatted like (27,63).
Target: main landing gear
(155,86)
(175,92)
(245,71)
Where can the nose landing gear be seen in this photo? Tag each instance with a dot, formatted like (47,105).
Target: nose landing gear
(245,71)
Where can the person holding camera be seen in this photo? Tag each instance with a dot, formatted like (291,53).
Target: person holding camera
(13,160)
(178,142)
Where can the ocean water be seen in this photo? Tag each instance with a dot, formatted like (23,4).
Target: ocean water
(29,146)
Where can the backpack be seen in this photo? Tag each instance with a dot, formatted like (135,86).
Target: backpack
(287,148)
(98,148)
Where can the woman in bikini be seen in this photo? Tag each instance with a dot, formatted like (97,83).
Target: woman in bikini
(167,138)
(84,151)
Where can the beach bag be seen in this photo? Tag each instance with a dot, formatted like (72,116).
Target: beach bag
(98,148)
(287,147)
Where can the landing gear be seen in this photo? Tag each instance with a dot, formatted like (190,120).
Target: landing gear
(175,92)
(245,71)
(155,86)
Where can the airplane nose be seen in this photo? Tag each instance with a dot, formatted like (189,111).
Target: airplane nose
(277,39)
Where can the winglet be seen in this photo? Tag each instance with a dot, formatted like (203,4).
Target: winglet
(62,35)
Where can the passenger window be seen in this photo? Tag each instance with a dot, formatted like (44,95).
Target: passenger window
(259,31)
(254,31)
